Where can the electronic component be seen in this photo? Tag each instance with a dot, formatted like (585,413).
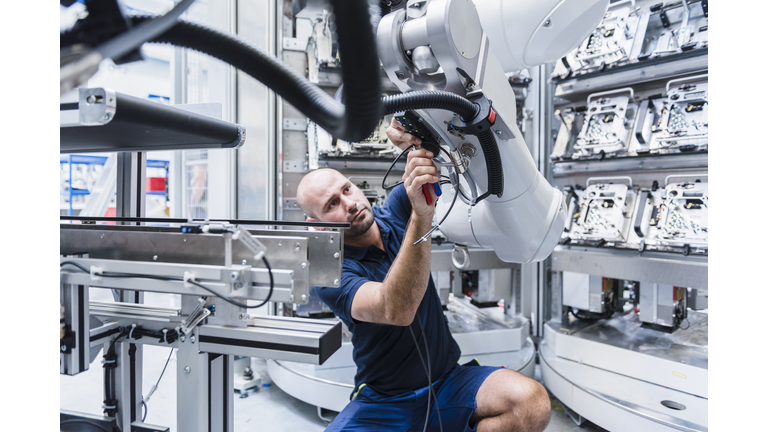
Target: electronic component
(682,216)
(606,126)
(603,213)
(662,307)
(683,123)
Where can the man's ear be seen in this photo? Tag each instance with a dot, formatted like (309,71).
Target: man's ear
(311,219)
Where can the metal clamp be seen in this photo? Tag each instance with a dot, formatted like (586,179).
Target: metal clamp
(685,79)
(611,178)
(464,264)
(666,180)
(621,90)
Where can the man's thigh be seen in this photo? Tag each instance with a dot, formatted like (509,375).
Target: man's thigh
(501,391)
(456,396)
(371,412)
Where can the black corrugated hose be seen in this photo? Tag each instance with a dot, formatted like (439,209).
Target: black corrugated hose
(364,106)
(360,74)
(430,100)
(492,164)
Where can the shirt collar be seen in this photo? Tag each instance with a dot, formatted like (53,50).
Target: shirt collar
(358,253)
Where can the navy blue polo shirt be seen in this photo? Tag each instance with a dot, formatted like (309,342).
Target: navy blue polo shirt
(385,355)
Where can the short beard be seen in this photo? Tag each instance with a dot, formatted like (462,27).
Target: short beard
(357,230)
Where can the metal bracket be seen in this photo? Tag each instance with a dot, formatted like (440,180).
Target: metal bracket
(291,204)
(294,44)
(298,166)
(295,124)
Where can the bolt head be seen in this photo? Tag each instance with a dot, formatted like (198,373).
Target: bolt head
(91,99)
(107,116)
(335,281)
(182,338)
(303,297)
(303,265)
(336,255)
(233,275)
(187,369)
(154,257)
(245,262)
(192,338)
(63,347)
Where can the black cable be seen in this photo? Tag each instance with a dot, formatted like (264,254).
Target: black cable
(157,384)
(453,201)
(427,370)
(168,278)
(424,337)
(384,179)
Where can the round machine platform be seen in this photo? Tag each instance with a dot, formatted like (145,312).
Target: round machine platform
(331,388)
(487,335)
(623,377)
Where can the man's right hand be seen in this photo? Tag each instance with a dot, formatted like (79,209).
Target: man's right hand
(419,171)
(399,137)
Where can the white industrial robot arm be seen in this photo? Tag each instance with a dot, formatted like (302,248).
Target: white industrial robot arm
(446,45)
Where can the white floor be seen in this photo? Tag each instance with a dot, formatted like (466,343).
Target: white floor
(267,409)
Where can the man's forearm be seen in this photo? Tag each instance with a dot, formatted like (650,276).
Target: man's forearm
(407,279)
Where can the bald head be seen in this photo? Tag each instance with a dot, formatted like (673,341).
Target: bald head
(325,195)
(311,185)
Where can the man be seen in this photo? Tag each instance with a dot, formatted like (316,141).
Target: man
(387,299)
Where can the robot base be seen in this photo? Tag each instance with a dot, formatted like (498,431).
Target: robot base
(647,387)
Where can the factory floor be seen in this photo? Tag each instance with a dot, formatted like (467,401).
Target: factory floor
(269,408)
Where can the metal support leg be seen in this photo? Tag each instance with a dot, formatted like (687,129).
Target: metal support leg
(75,349)
(205,390)
(557,298)
(131,184)
(128,383)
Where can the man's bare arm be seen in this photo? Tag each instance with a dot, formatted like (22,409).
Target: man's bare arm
(395,300)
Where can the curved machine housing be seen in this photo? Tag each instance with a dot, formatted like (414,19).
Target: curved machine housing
(445,45)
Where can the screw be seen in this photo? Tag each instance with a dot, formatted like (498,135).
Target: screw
(335,281)
(154,257)
(233,276)
(63,347)
(187,369)
(303,265)
(107,116)
(182,338)
(303,297)
(336,255)
(91,99)
(330,240)
(547,23)
(192,338)
(245,262)
(399,75)
(498,132)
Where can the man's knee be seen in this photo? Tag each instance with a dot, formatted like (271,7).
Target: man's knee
(531,405)
(541,407)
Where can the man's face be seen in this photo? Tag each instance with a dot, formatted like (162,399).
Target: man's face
(333,198)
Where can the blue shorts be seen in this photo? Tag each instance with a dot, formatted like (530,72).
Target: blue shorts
(456,393)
